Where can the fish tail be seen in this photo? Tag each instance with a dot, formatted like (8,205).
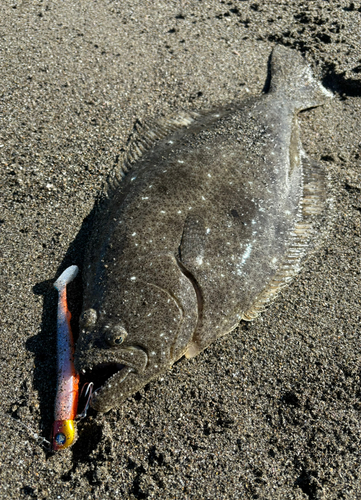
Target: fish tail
(292,77)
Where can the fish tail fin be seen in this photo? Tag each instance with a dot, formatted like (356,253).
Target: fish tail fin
(292,76)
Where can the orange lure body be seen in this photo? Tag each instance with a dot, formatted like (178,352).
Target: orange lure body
(66,402)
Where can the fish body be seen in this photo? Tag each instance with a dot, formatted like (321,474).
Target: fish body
(66,402)
(211,221)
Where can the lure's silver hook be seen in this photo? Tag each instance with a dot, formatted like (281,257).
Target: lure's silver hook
(88,392)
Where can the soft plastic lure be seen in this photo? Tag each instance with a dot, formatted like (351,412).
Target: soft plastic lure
(66,402)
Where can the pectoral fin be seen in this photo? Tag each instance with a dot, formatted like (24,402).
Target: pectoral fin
(193,242)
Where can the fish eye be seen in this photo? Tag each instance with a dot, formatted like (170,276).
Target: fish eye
(88,318)
(115,335)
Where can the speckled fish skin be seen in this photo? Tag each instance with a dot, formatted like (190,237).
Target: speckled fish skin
(199,234)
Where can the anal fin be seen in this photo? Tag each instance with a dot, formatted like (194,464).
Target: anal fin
(303,237)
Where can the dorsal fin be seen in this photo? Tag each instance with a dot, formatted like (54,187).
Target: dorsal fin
(142,138)
(314,202)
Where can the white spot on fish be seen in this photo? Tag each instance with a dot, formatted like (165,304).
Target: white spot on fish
(245,256)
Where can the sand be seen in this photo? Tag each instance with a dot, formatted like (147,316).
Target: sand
(273,410)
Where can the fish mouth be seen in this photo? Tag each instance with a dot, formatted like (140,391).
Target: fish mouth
(104,372)
(108,375)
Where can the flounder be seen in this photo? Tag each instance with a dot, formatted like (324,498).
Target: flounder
(209,216)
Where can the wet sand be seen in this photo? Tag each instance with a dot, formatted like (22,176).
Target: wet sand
(273,410)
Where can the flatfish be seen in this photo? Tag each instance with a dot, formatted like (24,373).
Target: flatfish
(208,217)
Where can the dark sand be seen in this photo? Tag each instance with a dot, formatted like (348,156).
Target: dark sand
(272,411)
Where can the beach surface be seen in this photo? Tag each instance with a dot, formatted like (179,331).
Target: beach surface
(271,411)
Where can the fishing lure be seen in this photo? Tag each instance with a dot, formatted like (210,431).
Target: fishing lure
(66,402)
(64,431)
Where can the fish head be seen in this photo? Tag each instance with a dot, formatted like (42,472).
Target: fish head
(134,332)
